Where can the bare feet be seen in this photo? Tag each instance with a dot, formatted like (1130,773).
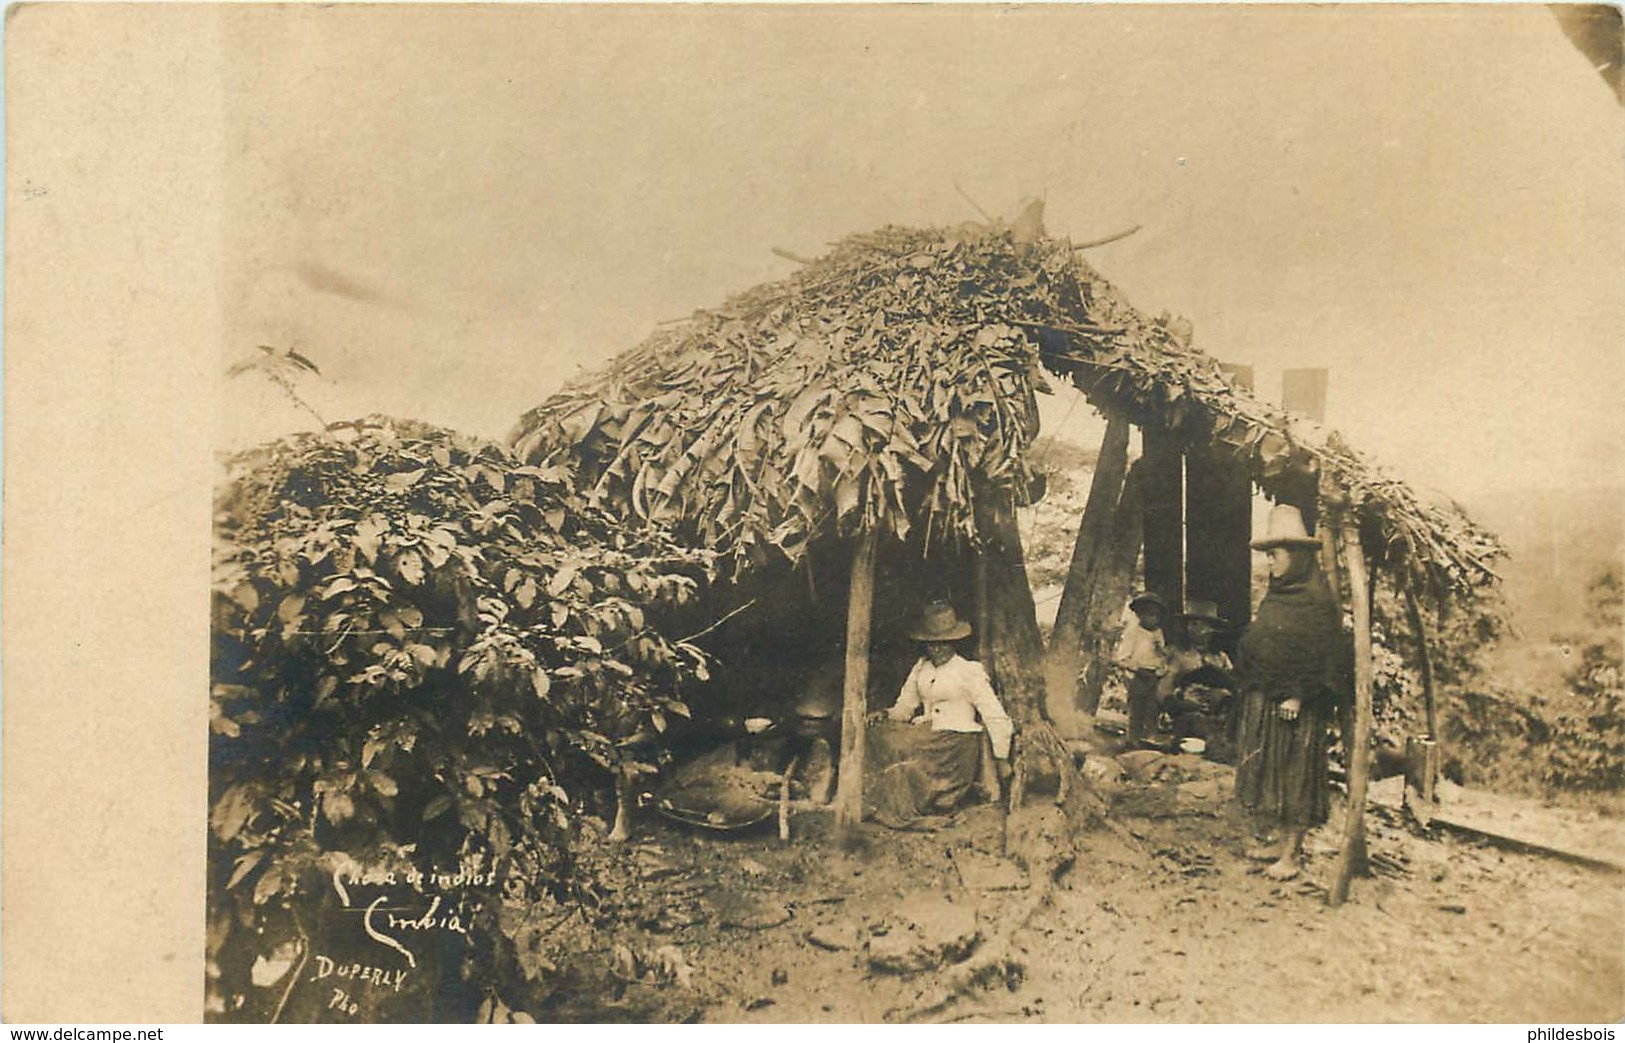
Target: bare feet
(1283,869)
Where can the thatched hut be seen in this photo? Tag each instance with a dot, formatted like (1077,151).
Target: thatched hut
(886,391)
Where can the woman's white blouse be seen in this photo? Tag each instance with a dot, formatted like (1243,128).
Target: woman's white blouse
(952,695)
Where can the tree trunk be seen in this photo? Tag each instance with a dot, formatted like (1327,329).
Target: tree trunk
(1017,666)
(1017,648)
(1065,643)
(1352,858)
(1111,591)
(855,703)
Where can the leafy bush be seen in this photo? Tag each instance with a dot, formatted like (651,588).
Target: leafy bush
(1457,646)
(1588,735)
(1492,738)
(1556,738)
(423,652)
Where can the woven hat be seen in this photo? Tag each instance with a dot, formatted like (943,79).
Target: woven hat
(939,622)
(1285,529)
(1196,608)
(1145,597)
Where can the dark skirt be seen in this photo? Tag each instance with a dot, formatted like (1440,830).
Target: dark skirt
(1143,709)
(1281,769)
(912,772)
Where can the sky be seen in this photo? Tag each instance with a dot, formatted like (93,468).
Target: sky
(454,210)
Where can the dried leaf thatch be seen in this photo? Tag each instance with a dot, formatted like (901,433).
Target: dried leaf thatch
(891,383)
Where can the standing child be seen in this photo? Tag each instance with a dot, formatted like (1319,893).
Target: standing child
(1141,652)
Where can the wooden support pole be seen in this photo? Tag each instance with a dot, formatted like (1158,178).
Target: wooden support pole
(1424,657)
(622,830)
(1064,653)
(1164,516)
(1329,566)
(1353,855)
(1303,391)
(1335,580)
(1218,528)
(1422,755)
(855,702)
(784,800)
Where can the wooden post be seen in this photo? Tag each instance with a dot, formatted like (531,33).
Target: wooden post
(784,800)
(1329,566)
(622,830)
(1424,657)
(1164,522)
(1333,573)
(855,702)
(1352,856)
(1303,391)
(1422,757)
(1218,528)
(1064,653)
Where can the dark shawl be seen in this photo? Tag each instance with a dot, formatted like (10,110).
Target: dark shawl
(1296,646)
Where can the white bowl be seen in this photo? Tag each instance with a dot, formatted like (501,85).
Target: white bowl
(758,725)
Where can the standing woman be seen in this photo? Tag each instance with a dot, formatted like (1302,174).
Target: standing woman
(1293,664)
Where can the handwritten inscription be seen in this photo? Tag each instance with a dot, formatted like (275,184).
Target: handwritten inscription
(417,879)
(382,928)
(390,925)
(379,947)
(379,977)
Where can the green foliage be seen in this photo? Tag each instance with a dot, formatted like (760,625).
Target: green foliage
(1458,643)
(1588,734)
(424,652)
(1541,737)
(1495,738)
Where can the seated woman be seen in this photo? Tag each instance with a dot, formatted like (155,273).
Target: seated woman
(1197,691)
(928,766)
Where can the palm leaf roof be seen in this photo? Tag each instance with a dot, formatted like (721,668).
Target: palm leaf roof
(892,383)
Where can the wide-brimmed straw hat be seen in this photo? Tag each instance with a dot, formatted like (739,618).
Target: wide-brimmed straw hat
(1285,529)
(939,622)
(1196,608)
(1145,597)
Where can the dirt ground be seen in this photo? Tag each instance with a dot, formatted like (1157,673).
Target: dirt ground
(1161,921)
